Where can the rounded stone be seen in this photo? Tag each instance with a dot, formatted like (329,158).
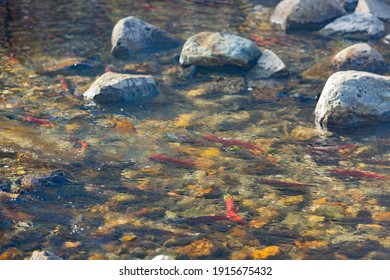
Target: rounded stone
(131,35)
(351,97)
(305,14)
(214,49)
(355,26)
(361,57)
(115,87)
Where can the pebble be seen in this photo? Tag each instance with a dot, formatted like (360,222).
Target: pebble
(44,256)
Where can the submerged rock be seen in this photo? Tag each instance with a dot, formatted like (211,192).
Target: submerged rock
(33,181)
(114,87)
(269,65)
(69,67)
(355,26)
(44,256)
(361,57)
(376,7)
(214,49)
(351,97)
(131,34)
(305,14)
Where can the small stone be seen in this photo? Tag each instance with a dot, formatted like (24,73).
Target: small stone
(350,97)
(269,65)
(44,255)
(214,49)
(349,5)
(386,39)
(376,7)
(162,257)
(305,14)
(114,87)
(361,57)
(131,35)
(355,26)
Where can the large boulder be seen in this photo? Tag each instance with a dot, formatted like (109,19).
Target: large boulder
(215,49)
(131,35)
(376,7)
(361,57)
(355,26)
(269,65)
(114,87)
(351,97)
(305,14)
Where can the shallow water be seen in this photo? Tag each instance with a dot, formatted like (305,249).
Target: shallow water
(120,204)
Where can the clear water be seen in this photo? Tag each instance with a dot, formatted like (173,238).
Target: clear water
(119,204)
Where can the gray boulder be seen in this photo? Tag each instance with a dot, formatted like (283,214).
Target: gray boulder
(305,14)
(361,57)
(214,49)
(355,26)
(351,97)
(114,87)
(44,256)
(131,35)
(376,7)
(269,65)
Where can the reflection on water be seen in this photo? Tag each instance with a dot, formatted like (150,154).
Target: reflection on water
(155,177)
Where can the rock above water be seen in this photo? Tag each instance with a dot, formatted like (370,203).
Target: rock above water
(131,34)
(376,7)
(305,14)
(44,256)
(361,57)
(355,26)
(351,97)
(269,65)
(349,5)
(214,49)
(386,39)
(114,87)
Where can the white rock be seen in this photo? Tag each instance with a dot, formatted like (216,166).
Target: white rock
(350,97)
(162,257)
